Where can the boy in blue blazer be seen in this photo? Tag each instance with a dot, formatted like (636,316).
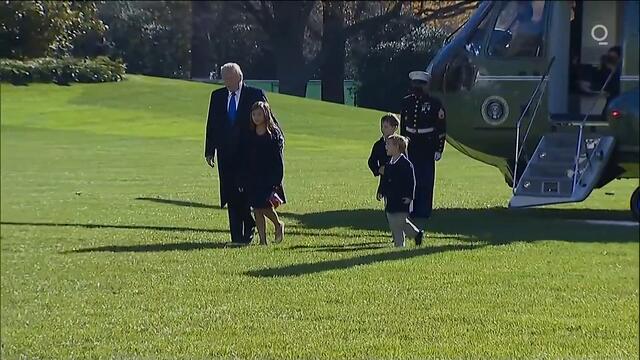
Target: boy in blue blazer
(398,190)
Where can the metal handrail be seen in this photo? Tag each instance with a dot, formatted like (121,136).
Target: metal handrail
(535,111)
(581,131)
(589,163)
(522,116)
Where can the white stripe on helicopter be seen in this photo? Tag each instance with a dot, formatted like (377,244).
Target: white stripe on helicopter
(537,78)
(508,78)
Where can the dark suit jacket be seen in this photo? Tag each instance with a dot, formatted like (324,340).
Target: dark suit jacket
(398,182)
(224,139)
(378,156)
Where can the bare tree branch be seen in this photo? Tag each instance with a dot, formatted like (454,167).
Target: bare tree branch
(374,21)
(429,14)
(315,24)
(261,12)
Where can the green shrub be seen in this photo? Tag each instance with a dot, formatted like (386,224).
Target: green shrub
(61,71)
(383,74)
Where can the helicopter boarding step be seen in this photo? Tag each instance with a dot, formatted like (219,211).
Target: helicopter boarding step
(550,175)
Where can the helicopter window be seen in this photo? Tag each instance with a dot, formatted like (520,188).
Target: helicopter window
(475,43)
(518,30)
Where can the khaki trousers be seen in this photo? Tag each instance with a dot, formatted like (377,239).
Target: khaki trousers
(400,226)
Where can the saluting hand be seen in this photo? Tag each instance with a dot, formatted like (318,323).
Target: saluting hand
(437,156)
(210,161)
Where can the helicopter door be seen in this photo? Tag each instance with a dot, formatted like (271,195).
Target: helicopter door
(512,62)
(594,57)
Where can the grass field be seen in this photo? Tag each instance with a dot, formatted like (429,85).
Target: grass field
(112,245)
(314,88)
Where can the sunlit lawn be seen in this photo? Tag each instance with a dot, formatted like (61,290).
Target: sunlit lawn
(112,245)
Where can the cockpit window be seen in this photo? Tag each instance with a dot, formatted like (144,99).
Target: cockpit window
(475,43)
(519,30)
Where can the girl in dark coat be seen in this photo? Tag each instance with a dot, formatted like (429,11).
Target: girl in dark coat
(265,169)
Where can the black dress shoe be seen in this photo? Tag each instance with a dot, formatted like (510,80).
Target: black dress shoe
(236,244)
(419,237)
(249,237)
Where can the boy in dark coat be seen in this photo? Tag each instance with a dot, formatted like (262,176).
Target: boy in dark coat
(378,159)
(398,190)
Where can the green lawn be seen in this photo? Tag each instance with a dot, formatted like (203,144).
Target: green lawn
(314,88)
(112,245)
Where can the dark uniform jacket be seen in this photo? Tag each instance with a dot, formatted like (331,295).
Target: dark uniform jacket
(424,118)
(223,139)
(398,182)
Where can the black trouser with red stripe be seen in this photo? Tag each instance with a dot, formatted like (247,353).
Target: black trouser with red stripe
(422,155)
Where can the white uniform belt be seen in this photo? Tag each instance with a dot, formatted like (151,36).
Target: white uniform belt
(419,131)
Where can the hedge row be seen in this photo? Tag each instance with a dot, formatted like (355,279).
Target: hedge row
(61,71)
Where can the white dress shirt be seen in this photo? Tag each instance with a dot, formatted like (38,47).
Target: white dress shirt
(237,96)
(394,161)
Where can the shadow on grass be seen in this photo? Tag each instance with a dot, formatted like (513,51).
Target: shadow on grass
(114,226)
(175,246)
(179,203)
(489,227)
(319,267)
(493,225)
(354,247)
(153,247)
(346,248)
(320,247)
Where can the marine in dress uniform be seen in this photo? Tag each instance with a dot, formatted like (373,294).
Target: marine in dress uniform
(423,121)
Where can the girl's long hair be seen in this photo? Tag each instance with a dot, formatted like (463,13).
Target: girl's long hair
(272,127)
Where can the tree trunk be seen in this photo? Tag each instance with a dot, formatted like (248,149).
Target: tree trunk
(200,52)
(333,44)
(290,22)
(291,68)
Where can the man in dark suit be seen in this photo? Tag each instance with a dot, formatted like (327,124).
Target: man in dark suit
(227,126)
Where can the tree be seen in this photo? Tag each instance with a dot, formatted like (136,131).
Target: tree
(223,34)
(152,37)
(285,24)
(31,29)
(333,41)
(443,14)
(384,90)
(336,30)
(339,24)
(201,15)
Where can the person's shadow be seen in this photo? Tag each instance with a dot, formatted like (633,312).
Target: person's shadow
(345,263)
(493,225)
(473,228)
(496,225)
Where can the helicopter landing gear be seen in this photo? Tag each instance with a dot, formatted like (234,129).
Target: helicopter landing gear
(635,204)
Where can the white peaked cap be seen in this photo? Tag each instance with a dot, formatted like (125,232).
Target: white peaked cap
(419,75)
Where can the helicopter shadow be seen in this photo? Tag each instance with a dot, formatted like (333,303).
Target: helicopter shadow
(495,225)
